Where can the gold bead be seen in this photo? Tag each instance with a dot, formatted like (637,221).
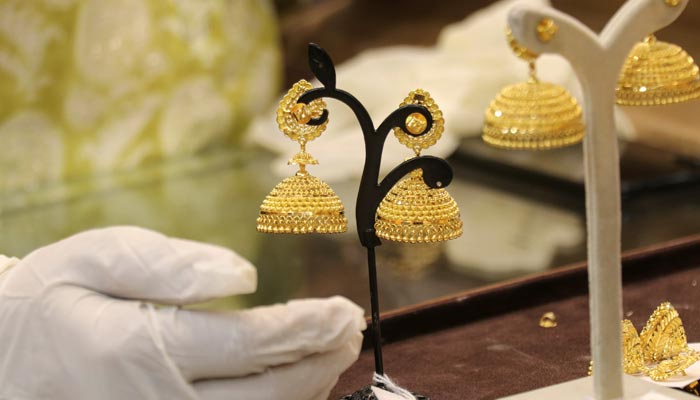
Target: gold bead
(416,123)
(548,320)
(672,3)
(546,30)
(301,113)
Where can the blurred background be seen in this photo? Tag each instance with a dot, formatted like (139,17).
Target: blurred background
(160,113)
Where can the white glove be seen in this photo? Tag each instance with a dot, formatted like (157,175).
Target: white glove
(75,324)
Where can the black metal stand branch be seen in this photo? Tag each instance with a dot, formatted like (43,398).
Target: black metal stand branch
(436,174)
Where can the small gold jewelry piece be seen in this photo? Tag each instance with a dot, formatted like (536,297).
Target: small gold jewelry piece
(672,3)
(533,115)
(657,73)
(661,351)
(413,212)
(416,123)
(301,203)
(546,29)
(548,320)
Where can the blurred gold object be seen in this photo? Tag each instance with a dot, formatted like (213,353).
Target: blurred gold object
(548,320)
(301,203)
(657,72)
(661,350)
(533,115)
(546,29)
(413,212)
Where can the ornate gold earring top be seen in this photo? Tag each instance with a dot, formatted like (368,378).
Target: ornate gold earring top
(416,123)
(293,117)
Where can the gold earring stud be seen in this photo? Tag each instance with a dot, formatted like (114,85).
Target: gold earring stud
(546,29)
(656,73)
(533,115)
(413,212)
(301,203)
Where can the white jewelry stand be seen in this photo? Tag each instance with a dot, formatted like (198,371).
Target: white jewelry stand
(597,61)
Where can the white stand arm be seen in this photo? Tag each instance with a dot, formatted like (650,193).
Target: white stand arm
(597,61)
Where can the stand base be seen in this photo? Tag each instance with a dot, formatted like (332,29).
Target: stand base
(366,394)
(582,389)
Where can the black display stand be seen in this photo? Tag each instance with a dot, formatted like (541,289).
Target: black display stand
(436,174)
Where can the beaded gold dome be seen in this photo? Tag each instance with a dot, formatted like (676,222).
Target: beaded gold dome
(533,115)
(415,138)
(656,73)
(301,203)
(415,213)
(412,211)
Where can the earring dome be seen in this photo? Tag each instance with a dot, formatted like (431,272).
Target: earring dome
(656,73)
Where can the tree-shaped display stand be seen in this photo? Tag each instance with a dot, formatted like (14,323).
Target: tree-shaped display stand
(597,61)
(417,124)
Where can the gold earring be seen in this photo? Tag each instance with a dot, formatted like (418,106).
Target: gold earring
(657,72)
(301,203)
(533,115)
(661,350)
(413,212)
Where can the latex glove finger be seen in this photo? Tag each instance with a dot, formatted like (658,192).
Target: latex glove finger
(137,263)
(310,378)
(217,345)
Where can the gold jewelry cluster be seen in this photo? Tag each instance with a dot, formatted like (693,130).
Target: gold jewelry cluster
(411,212)
(661,350)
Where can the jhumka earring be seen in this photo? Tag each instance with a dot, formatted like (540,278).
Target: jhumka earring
(413,212)
(301,203)
(657,72)
(533,115)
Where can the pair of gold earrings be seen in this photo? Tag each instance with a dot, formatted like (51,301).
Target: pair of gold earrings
(540,115)
(411,211)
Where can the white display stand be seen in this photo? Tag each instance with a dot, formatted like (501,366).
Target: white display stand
(597,61)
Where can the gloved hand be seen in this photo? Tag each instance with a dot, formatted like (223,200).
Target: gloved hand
(75,323)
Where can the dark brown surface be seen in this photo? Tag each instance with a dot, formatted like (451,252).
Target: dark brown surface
(487,343)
